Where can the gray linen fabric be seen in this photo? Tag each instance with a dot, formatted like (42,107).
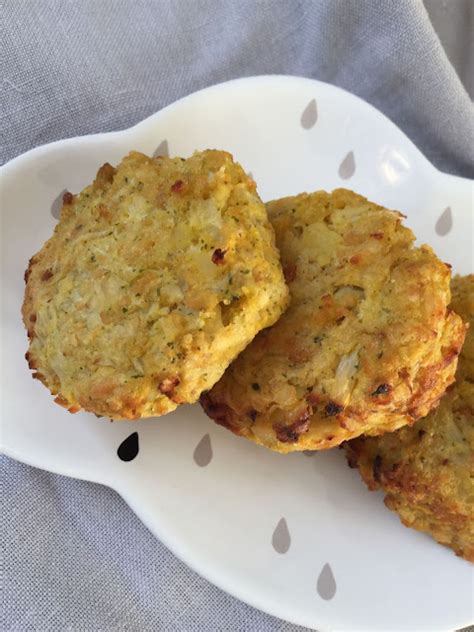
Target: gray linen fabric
(75,557)
(453,23)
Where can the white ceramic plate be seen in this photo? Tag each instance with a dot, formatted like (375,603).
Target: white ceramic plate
(298,537)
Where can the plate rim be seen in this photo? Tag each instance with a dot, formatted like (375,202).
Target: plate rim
(14,162)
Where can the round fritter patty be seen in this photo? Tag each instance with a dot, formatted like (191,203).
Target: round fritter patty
(427,470)
(156,277)
(367,344)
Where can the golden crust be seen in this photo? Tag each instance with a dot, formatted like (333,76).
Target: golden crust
(426,470)
(367,344)
(156,277)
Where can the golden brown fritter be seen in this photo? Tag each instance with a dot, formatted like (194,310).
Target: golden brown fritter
(427,470)
(156,277)
(367,344)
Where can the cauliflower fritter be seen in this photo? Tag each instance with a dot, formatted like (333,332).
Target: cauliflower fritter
(156,277)
(367,344)
(427,470)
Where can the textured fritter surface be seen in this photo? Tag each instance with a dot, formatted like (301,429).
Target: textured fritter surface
(156,277)
(427,470)
(367,344)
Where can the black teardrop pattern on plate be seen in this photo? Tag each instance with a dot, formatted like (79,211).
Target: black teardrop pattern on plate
(129,448)
(57,205)
(326,583)
(309,115)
